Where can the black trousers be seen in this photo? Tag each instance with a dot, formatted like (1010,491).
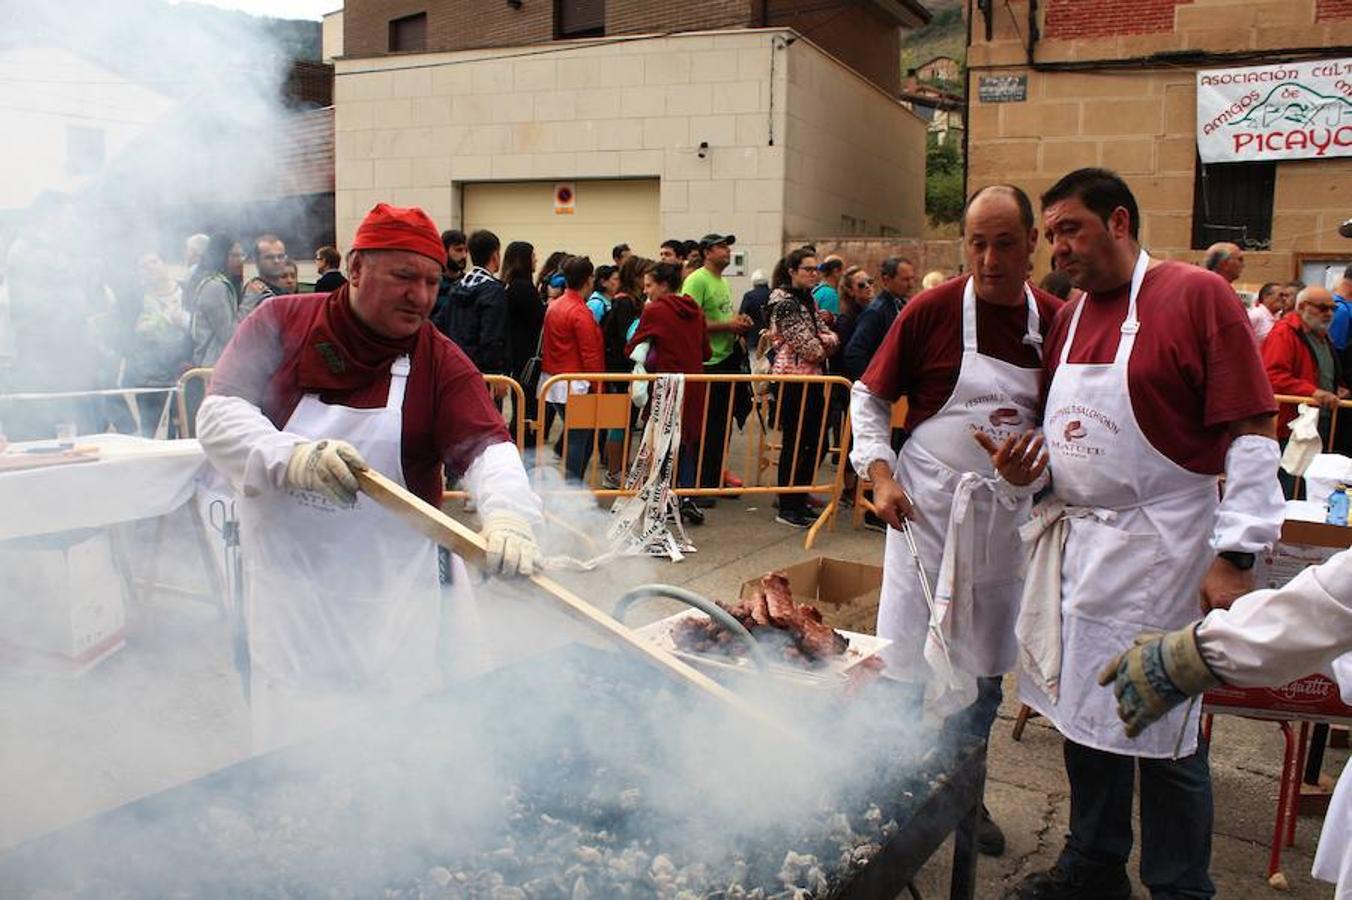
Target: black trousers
(716,404)
(798,454)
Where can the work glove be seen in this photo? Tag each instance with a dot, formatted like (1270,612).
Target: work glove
(1158,673)
(327,468)
(511,544)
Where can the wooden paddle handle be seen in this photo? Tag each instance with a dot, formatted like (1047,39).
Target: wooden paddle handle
(442,529)
(422,516)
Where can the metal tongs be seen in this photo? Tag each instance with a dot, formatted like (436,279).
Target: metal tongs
(934,628)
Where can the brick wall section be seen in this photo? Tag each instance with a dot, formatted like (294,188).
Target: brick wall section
(854,34)
(451,24)
(649,16)
(471,24)
(869,253)
(1143,123)
(1080,19)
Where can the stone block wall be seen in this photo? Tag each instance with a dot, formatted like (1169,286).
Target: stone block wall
(1142,122)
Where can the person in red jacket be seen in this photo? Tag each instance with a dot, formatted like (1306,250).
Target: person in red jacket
(572,342)
(1300,359)
(673,328)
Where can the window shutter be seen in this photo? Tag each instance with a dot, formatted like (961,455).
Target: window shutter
(581,18)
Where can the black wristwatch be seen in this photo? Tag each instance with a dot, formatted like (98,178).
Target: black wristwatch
(1237,558)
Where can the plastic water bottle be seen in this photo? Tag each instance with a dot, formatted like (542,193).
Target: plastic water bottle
(1338,506)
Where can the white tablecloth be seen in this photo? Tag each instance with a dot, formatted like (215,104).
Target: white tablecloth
(134,478)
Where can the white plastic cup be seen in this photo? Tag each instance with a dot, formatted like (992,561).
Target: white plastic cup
(65,435)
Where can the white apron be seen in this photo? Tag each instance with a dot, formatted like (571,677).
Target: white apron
(343,604)
(999,399)
(1333,859)
(1137,547)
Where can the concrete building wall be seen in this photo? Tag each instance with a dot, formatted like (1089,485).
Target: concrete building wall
(1142,122)
(637,110)
(856,156)
(331,36)
(589,111)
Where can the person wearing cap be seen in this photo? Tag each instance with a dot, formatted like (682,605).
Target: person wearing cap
(344,603)
(707,287)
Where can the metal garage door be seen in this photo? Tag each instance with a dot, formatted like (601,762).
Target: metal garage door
(605,213)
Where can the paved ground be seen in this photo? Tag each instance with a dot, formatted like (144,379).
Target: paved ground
(167,708)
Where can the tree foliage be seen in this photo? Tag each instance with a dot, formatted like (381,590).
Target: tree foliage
(943,181)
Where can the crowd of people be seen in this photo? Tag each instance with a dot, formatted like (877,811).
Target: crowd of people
(1116,395)
(516,316)
(73,330)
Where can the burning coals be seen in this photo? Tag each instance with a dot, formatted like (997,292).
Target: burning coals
(549,857)
(582,779)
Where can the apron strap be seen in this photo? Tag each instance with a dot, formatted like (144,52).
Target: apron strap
(1034,336)
(969,316)
(399,370)
(1130,325)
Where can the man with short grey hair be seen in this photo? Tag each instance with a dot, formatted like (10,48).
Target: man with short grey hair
(1225,259)
(193,248)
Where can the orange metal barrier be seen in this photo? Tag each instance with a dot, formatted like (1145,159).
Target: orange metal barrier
(596,412)
(500,386)
(187,419)
(1329,439)
(1333,418)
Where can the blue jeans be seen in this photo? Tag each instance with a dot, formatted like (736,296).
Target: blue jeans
(1176,818)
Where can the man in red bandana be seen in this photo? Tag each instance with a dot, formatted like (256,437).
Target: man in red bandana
(343,599)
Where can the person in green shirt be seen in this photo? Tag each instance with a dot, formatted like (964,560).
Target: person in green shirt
(708,288)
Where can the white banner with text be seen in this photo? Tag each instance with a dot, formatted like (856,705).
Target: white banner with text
(1299,110)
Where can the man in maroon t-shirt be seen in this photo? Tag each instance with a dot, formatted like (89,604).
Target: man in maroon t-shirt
(344,599)
(1152,389)
(965,355)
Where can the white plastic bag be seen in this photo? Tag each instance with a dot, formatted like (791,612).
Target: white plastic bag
(1304,444)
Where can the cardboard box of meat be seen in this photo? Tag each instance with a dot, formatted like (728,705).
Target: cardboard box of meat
(844,592)
(798,644)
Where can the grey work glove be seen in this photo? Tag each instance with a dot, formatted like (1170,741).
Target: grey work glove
(511,544)
(1158,673)
(327,468)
